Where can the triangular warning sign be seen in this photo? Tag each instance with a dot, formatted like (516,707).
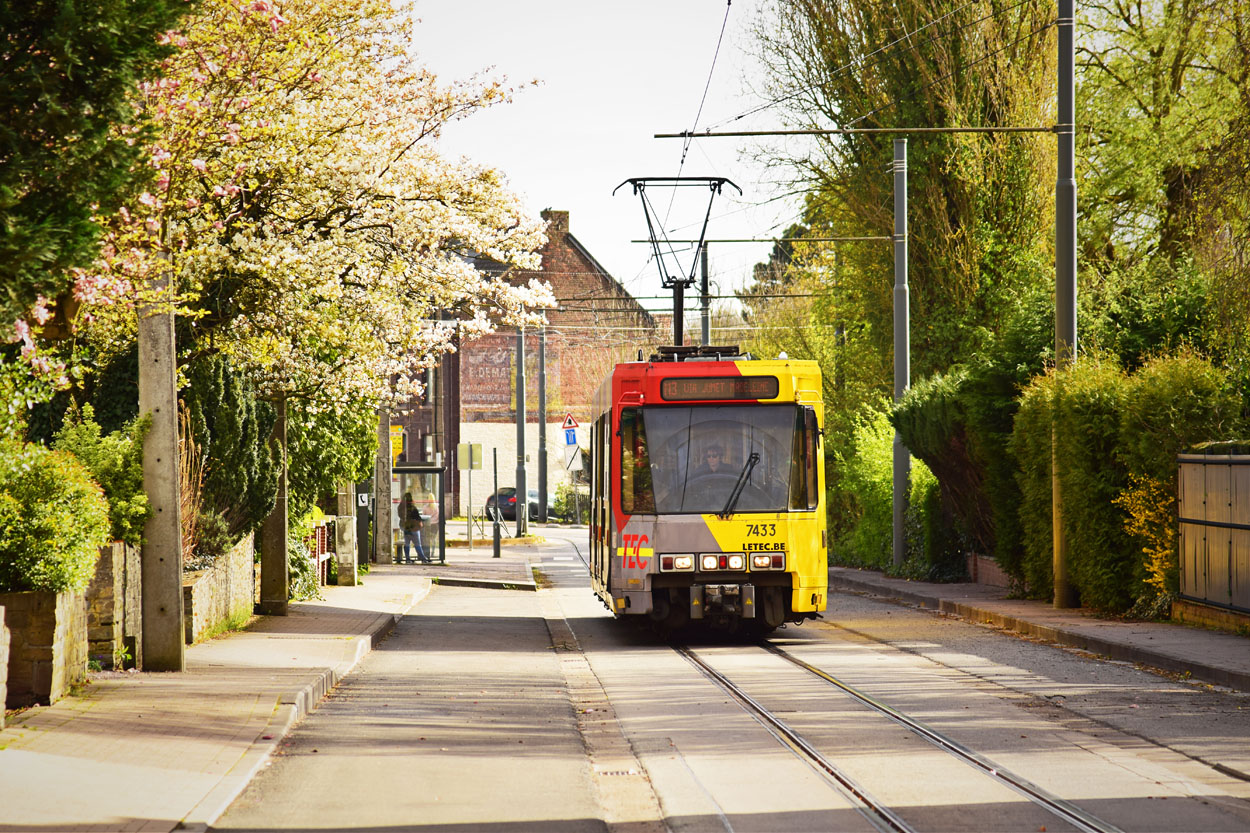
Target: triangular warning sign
(569,422)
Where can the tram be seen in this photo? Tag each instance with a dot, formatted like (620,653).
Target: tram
(707,490)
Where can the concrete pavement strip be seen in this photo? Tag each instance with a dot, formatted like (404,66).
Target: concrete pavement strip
(155,751)
(1213,657)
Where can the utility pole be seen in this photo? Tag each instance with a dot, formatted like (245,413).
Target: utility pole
(705,315)
(902,346)
(522,493)
(275,580)
(1065,276)
(162,643)
(383,552)
(542,424)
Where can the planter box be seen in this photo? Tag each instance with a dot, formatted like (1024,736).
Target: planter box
(47,645)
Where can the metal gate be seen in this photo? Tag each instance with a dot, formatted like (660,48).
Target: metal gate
(1214,495)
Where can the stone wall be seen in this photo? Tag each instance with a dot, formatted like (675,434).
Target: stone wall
(114,613)
(210,597)
(48,645)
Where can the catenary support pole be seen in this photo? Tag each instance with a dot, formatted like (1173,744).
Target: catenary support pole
(161,554)
(522,493)
(902,345)
(542,425)
(496,513)
(1065,276)
(679,309)
(705,302)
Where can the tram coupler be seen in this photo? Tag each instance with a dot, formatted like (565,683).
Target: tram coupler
(722,600)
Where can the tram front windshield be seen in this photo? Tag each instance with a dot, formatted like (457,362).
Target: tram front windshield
(718,458)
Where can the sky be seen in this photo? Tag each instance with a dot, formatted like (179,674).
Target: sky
(611,75)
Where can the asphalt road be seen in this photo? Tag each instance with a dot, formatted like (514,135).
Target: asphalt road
(508,711)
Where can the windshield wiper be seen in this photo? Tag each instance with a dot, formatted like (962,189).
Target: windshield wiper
(742,482)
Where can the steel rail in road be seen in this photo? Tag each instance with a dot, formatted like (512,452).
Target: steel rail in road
(877,813)
(1065,810)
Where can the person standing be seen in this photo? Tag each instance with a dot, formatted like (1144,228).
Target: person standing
(411,523)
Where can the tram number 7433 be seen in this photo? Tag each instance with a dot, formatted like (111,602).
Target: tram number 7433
(769,530)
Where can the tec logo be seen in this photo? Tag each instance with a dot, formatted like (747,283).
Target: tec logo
(634,553)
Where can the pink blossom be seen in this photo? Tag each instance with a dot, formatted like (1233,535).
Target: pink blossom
(147,199)
(159,155)
(22,329)
(199,165)
(41,311)
(192,202)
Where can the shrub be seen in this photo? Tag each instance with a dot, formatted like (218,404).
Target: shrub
(1087,414)
(868,474)
(1116,440)
(53,519)
(1031,449)
(232,428)
(115,461)
(578,511)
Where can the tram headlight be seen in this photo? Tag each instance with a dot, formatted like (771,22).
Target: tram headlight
(676,563)
(709,561)
(737,561)
(761,562)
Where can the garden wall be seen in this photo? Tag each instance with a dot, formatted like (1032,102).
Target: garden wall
(211,597)
(48,645)
(114,612)
(4,664)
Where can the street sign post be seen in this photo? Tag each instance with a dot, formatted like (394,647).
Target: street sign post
(468,458)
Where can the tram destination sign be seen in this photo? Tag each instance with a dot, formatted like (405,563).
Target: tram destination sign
(676,389)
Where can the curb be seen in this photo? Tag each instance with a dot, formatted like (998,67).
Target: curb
(292,706)
(1114,650)
(490,584)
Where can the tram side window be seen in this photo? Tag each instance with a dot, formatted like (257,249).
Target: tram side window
(804,474)
(636,491)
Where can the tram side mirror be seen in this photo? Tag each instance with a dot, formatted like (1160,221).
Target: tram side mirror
(809,421)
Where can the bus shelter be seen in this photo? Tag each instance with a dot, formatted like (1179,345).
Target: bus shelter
(418,525)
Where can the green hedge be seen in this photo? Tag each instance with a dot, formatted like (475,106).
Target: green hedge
(53,520)
(1109,427)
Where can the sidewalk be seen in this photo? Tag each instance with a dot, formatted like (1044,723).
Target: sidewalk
(153,751)
(1211,656)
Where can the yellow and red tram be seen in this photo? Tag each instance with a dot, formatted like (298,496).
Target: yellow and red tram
(707,490)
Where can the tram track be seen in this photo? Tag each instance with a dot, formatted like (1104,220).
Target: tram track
(881,816)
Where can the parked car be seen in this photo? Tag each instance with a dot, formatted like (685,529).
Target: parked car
(506,499)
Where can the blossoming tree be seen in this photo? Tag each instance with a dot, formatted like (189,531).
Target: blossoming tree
(310,228)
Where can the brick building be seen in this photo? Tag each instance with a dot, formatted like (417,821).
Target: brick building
(472,396)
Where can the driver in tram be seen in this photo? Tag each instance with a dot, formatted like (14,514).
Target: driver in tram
(713,458)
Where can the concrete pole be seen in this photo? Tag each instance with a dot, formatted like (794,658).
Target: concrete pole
(902,345)
(1065,274)
(542,425)
(161,554)
(705,304)
(679,308)
(383,551)
(522,491)
(275,580)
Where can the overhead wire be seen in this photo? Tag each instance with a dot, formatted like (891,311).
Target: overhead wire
(863,62)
